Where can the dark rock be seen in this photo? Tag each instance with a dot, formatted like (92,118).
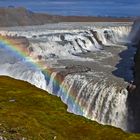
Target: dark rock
(94,33)
(62,37)
(39,57)
(134,94)
(74,69)
(12,131)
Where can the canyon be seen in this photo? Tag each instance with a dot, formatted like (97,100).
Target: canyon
(88,65)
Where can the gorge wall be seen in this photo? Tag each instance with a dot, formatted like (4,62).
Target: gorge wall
(134,94)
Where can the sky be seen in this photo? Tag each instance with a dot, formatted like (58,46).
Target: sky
(118,8)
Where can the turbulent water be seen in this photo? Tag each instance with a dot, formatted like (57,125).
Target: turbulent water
(99,100)
(100,93)
(71,42)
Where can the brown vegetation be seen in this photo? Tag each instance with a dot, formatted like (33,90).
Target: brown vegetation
(22,17)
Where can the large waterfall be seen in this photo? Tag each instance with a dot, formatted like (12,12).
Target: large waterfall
(99,100)
(97,93)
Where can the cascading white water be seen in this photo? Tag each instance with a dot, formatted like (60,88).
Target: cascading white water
(71,42)
(24,72)
(92,96)
(96,100)
(50,85)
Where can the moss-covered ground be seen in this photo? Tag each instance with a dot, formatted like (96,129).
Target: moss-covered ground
(28,113)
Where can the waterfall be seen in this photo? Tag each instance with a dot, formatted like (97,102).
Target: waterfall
(94,97)
(99,101)
(51,83)
(71,42)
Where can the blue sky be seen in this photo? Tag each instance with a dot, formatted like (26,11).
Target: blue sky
(80,7)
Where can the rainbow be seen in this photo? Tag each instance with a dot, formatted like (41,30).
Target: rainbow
(11,44)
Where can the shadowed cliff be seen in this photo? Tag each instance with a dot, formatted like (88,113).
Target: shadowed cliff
(134,94)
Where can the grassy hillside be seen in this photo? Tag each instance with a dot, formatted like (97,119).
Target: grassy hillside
(27,112)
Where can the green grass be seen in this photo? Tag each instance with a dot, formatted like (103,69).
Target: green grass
(26,111)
